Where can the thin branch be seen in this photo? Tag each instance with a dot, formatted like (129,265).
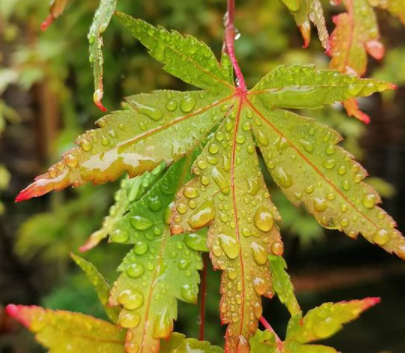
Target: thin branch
(230,33)
(203,291)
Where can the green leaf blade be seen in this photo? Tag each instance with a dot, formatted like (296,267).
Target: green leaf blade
(161,126)
(184,57)
(160,269)
(101,20)
(229,194)
(99,283)
(303,87)
(327,319)
(329,182)
(282,284)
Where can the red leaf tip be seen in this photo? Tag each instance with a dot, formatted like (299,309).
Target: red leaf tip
(12,310)
(97,97)
(370,302)
(23,195)
(48,21)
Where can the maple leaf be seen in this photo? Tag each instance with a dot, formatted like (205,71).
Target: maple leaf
(56,8)
(355,35)
(318,324)
(130,190)
(282,284)
(99,283)
(305,12)
(101,20)
(229,193)
(159,269)
(64,331)
(395,7)
(178,343)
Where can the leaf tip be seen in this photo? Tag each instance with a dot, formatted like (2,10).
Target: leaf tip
(370,302)
(15,312)
(23,195)
(48,21)
(97,97)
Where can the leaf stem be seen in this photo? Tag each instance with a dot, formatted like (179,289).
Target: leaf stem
(268,327)
(203,291)
(230,33)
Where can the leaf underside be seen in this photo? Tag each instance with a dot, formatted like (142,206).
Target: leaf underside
(228,192)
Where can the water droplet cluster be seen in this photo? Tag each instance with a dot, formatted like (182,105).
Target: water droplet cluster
(304,160)
(160,268)
(229,195)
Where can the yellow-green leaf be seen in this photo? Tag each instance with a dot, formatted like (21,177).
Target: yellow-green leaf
(99,283)
(159,269)
(65,332)
(282,284)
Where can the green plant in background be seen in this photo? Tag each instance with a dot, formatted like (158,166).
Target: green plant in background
(221,127)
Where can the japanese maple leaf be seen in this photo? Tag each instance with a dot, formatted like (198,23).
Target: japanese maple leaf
(305,12)
(355,35)
(159,269)
(228,193)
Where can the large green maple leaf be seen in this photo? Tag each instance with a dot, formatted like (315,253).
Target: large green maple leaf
(159,269)
(229,193)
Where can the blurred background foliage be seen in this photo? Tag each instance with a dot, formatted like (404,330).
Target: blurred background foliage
(46,89)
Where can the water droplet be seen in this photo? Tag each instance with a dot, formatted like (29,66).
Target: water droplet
(381,237)
(202,215)
(187,103)
(153,113)
(262,138)
(141,223)
(196,242)
(141,248)
(135,270)
(342,170)
(329,163)
(181,208)
(232,273)
(369,200)
(308,146)
(277,248)
(320,205)
(71,161)
(330,150)
(190,192)
(263,219)
(229,245)
(309,189)
(183,264)
(213,148)
(188,294)
(284,178)
(221,181)
(171,105)
(259,285)
(253,185)
(130,300)
(163,325)
(259,253)
(346,185)
(86,145)
(119,236)
(129,320)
